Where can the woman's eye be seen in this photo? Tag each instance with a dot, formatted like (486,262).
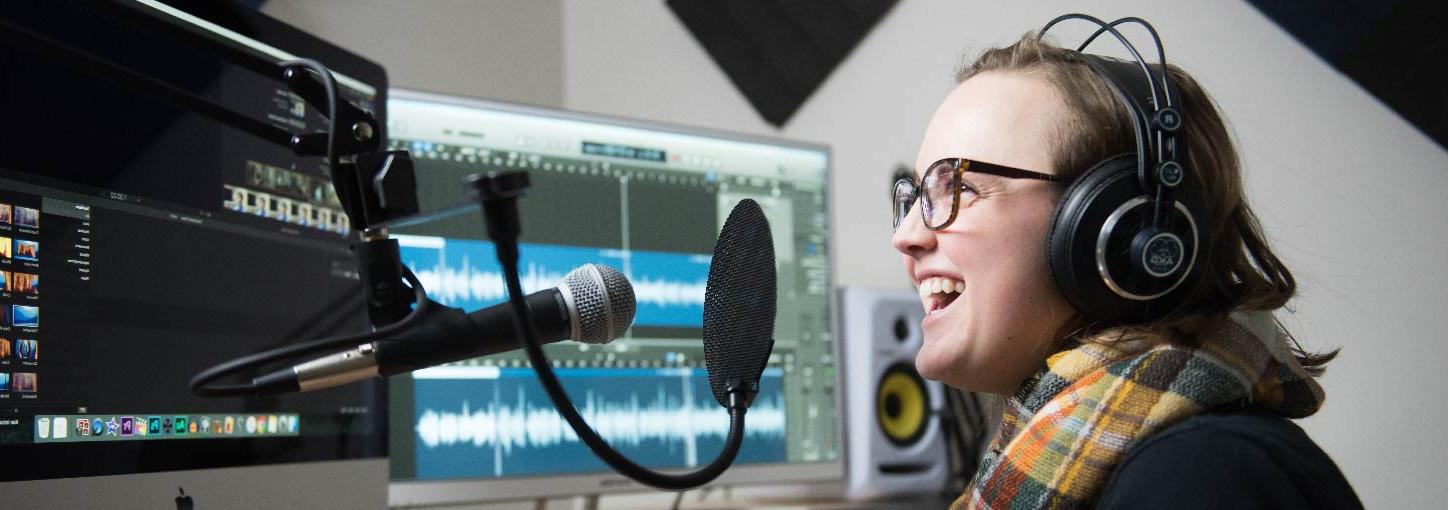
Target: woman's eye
(968,191)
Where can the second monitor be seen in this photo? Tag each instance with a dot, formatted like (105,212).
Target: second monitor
(648,200)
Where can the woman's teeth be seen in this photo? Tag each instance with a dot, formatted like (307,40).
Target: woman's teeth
(938,292)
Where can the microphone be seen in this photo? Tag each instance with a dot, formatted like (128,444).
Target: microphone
(594,304)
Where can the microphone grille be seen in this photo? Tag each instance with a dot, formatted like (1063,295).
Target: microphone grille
(739,319)
(603,300)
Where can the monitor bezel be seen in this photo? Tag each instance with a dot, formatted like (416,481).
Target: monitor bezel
(475,490)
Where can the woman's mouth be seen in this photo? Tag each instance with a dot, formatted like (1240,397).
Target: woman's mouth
(939,292)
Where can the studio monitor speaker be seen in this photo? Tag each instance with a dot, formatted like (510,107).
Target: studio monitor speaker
(894,437)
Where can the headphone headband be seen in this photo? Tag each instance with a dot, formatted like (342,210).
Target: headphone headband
(1121,246)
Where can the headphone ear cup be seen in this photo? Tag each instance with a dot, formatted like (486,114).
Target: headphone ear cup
(1097,249)
(1071,239)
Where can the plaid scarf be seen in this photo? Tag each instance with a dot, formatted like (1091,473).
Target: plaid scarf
(1064,433)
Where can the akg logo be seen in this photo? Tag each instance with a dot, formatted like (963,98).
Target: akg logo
(1163,255)
(1163,258)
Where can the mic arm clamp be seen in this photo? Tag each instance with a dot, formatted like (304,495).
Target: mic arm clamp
(373,186)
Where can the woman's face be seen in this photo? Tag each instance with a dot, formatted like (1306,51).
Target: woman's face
(999,328)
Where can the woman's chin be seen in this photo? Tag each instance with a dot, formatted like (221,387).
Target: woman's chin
(931,366)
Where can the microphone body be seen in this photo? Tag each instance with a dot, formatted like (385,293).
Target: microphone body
(447,334)
(444,334)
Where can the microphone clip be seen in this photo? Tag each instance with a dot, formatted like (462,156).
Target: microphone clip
(498,193)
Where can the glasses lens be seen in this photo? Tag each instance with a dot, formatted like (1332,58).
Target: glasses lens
(938,191)
(903,193)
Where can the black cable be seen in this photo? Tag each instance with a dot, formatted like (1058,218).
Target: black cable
(1152,88)
(508,258)
(1172,144)
(956,472)
(1162,60)
(330,86)
(201,383)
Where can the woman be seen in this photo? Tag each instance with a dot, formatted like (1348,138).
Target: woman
(1185,410)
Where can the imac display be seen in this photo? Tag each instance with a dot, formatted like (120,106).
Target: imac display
(173,242)
(648,200)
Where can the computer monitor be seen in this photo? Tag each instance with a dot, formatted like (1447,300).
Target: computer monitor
(169,242)
(647,199)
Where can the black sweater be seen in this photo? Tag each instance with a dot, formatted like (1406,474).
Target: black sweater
(1241,459)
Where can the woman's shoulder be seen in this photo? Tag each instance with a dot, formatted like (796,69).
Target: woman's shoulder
(1232,458)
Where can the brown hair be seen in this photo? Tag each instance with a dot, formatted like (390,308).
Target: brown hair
(1240,272)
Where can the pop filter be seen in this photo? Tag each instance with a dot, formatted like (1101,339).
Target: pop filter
(739,320)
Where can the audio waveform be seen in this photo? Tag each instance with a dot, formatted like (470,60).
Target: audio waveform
(669,287)
(506,425)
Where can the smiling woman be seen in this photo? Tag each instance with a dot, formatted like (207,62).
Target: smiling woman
(1079,236)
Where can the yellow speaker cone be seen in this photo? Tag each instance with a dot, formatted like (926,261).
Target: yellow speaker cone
(901,405)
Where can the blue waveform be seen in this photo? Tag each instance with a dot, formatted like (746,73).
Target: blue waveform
(499,422)
(669,287)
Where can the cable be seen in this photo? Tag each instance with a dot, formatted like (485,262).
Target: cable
(1163,195)
(1109,28)
(200,385)
(1162,60)
(508,258)
(330,86)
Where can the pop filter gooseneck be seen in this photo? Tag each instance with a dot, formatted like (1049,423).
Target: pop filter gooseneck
(736,346)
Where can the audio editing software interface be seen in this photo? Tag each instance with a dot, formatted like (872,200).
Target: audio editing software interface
(649,202)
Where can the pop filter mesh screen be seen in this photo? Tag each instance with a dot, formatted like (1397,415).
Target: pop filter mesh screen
(739,320)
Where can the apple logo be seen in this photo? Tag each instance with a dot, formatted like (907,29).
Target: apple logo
(183,502)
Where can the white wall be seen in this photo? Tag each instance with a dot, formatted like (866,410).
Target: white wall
(1352,196)
(501,50)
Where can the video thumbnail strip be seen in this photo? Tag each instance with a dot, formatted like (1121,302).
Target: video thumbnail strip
(73,428)
(290,210)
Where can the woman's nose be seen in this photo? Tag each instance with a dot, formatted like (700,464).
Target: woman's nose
(911,235)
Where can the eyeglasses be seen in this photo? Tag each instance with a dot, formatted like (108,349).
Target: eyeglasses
(943,183)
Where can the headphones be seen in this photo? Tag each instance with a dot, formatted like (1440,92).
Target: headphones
(1124,242)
